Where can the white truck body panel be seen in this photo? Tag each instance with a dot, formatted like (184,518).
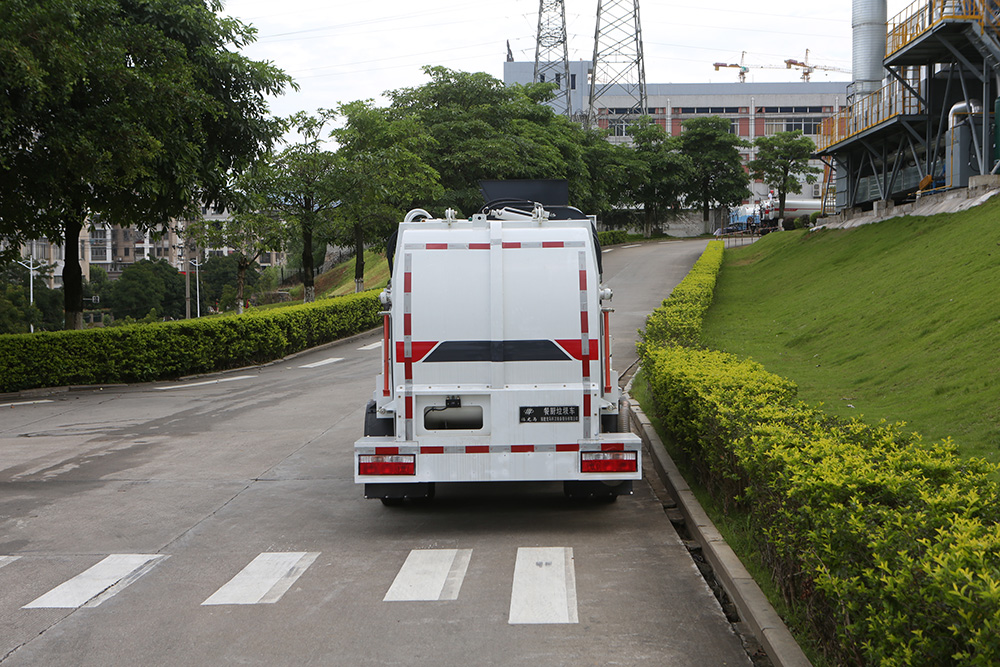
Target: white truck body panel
(497,358)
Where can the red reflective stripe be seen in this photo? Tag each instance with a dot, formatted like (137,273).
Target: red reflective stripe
(612,446)
(584,322)
(432,450)
(511,244)
(567,448)
(583,279)
(477,449)
(586,405)
(437,246)
(479,246)
(522,448)
(407,370)
(407,282)
(552,244)
(409,407)
(387,451)
(407,324)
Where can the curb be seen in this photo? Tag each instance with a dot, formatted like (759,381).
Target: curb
(751,603)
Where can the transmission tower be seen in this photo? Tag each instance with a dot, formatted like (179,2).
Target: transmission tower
(552,52)
(618,70)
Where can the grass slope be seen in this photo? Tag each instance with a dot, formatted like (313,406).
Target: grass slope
(898,320)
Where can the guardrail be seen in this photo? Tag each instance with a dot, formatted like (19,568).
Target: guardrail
(893,99)
(920,16)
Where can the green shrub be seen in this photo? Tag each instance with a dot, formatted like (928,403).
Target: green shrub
(612,237)
(890,545)
(145,352)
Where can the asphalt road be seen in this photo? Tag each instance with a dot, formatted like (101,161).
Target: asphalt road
(215,521)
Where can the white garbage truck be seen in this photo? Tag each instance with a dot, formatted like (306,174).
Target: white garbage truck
(496,359)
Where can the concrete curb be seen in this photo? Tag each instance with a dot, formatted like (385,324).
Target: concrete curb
(754,609)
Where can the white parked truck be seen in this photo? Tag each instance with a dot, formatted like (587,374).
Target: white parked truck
(496,359)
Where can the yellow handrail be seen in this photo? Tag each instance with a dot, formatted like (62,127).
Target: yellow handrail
(922,15)
(893,99)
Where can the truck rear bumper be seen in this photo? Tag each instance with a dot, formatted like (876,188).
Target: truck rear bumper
(615,456)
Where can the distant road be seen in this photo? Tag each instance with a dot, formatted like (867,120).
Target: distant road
(215,521)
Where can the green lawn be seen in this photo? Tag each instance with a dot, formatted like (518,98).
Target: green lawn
(898,320)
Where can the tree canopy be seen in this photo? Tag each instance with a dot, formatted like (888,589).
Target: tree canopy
(782,159)
(717,174)
(134,110)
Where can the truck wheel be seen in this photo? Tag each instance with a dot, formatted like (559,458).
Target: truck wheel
(392,502)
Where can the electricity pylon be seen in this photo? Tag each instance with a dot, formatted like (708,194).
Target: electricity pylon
(552,53)
(618,70)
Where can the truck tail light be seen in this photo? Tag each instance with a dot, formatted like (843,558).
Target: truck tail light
(609,462)
(387,464)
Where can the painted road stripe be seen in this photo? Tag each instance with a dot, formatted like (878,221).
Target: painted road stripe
(634,245)
(7,560)
(14,405)
(669,242)
(373,346)
(430,574)
(97,584)
(317,364)
(203,384)
(265,579)
(544,588)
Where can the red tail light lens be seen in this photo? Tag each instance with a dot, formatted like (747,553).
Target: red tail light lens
(383,464)
(609,461)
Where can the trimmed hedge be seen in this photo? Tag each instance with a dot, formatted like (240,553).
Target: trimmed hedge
(612,237)
(889,544)
(166,350)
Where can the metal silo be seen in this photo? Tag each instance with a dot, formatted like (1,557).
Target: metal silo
(868,22)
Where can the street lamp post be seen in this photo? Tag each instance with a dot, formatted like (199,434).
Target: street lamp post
(32,267)
(197,282)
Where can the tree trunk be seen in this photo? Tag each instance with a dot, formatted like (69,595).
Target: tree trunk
(241,271)
(781,203)
(309,287)
(359,259)
(72,274)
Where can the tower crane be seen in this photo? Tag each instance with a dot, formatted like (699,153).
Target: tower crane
(808,68)
(744,68)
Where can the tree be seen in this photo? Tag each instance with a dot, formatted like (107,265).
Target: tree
(380,175)
(661,172)
(484,130)
(717,174)
(782,159)
(250,230)
(133,110)
(300,185)
(222,270)
(147,286)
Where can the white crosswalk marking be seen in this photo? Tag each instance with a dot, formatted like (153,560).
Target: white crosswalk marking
(7,560)
(373,346)
(265,579)
(544,589)
(317,364)
(430,574)
(98,583)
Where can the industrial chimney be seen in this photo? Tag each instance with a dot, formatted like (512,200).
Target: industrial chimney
(868,21)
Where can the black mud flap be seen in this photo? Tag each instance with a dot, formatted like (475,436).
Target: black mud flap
(597,490)
(396,493)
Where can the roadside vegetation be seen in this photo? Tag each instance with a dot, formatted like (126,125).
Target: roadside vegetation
(895,321)
(885,544)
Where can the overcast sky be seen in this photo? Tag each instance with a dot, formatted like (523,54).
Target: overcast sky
(344,50)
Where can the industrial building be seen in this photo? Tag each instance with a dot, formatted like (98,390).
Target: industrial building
(918,116)
(755,109)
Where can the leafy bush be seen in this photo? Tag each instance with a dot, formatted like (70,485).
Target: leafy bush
(891,545)
(612,237)
(145,352)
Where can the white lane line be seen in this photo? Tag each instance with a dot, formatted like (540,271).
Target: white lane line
(265,579)
(430,574)
(634,245)
(7,560)
(98,583)
(669,242)
(373,346)
(607,250)
(317,364)
(544,589)
(14,405)
(203,384)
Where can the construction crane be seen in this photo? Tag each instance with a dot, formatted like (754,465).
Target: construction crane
(744,68)
(808,68)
